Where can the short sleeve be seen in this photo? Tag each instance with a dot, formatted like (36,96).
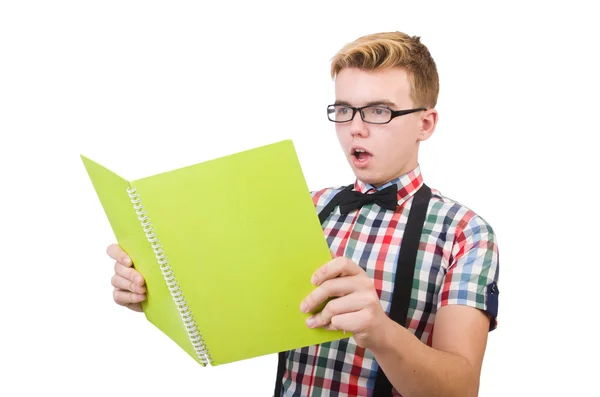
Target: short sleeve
(472,276)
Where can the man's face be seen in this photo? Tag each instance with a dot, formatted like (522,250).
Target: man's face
(388,150)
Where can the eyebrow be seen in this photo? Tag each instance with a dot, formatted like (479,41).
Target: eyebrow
(371,103)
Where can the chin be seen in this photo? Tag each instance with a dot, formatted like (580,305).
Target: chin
(369,177)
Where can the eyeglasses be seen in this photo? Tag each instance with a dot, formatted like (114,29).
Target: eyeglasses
(369,114)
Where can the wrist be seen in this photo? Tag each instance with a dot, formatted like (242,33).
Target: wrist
(382,335)
(390,337)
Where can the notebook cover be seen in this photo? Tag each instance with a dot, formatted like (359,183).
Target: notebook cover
(243,238)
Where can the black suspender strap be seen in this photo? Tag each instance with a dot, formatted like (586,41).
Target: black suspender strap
(402,283)
(405,274)
(280,371)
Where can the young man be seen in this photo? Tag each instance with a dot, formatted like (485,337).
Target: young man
(387,228)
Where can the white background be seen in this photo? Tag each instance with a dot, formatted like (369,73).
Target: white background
(147,86)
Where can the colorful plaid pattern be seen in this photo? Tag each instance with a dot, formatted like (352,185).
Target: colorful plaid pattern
(457,263)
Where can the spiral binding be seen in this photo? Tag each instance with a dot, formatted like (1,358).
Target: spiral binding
(186,314)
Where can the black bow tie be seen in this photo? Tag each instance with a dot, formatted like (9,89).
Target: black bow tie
(386,198)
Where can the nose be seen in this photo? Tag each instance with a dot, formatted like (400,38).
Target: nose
(358,127)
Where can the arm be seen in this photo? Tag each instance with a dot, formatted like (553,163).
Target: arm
(467,301)
(451,367)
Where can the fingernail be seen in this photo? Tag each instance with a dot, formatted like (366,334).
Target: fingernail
(126,260)
(138,280)
(314,279)
(304,307)
(310,321)
(137,298)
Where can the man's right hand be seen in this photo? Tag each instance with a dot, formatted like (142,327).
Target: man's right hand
(129,284)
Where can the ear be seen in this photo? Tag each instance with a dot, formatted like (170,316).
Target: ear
(428,120)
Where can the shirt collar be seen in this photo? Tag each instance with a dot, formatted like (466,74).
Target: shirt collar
(408,184)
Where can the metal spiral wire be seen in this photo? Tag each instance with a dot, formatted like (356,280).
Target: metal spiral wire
(184,310)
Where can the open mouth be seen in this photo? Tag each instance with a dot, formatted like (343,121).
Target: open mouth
(361,155)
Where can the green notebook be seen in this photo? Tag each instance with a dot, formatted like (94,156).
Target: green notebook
(227,248)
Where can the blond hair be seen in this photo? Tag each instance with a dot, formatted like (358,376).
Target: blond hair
(393,49)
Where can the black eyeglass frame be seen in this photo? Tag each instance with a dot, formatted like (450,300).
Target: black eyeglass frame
(394,113)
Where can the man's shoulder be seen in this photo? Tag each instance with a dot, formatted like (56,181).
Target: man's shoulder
(456,213)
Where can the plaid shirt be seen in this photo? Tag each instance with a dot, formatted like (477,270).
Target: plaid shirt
(457,264)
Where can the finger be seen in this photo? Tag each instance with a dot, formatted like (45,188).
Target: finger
(125,284)
(347,304)
(332,288)
(350,322)
(333,254)
(125,298)
(337,267)
(117,253)
(129,273)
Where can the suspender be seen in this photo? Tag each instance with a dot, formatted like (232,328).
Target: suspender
(405,274)
(402,283)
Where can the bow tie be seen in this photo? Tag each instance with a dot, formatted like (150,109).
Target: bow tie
(351,200)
